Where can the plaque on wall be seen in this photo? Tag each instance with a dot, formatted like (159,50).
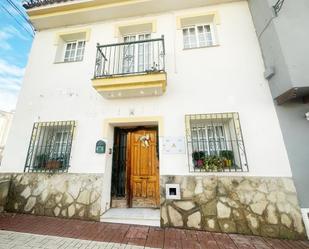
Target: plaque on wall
(174,145)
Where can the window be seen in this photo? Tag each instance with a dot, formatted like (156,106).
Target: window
(215,143)
(50,146)
(136,56)
(198,36)
(74,51)
(71,44)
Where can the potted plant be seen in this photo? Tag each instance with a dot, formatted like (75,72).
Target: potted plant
(63,159)
(213,163)
(41,161)
(198,158)
(228,157)
(53,163)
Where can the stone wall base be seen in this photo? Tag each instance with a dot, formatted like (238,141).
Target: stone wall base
(247,205)
(59,195)
(5,180)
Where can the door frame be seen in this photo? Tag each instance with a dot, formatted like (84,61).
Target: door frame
(128,130)
(108,126)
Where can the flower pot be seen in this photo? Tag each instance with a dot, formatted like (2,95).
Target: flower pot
(53,164)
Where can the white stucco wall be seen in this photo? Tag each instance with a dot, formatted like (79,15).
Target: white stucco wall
(5,125)
(226,78)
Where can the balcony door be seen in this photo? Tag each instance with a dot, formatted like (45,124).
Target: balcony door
(136,56)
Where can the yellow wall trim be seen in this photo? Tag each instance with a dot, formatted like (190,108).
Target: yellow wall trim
(130,79)
(135,25)
(76,8)
(215,14)
(58,35)
(132,121)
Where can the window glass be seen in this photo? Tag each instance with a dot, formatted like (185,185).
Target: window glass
(198,36)
(74,51)
(136,57)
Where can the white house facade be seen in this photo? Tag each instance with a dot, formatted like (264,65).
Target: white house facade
(152,105)
(5,125)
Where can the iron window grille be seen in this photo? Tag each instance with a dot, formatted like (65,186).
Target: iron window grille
(50,147)
(215,143)
(130,57)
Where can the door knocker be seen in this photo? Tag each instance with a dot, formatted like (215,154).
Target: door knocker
(145,140)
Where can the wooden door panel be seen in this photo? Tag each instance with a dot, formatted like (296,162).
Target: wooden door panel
(144,176)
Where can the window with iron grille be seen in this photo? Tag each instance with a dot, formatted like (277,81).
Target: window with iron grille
(50,146)
(215,143)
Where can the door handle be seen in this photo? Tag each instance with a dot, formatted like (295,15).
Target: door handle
(143,177)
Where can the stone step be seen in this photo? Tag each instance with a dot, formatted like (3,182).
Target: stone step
(135,216)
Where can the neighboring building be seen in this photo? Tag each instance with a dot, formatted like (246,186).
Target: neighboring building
(5,124)
(158,103)
(282,29)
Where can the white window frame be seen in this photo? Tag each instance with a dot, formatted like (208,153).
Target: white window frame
(204,142)
(74,57)
(198,41)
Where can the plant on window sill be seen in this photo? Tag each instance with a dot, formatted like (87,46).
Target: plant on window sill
(45,162)
(224,160)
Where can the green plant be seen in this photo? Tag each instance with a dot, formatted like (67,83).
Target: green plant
(228,157)
(228,154)
(197,155)
(214,163)
(198,158)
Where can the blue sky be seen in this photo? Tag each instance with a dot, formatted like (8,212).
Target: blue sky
(15,45)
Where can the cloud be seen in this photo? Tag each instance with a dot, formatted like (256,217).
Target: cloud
(10,82)
(12,70)
(7,100)
(9,32)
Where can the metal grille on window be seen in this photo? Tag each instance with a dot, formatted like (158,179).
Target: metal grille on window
(215,143)
(50,146)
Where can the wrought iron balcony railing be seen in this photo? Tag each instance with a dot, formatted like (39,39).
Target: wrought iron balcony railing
(130,58)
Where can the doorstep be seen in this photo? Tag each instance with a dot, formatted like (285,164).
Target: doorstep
(134,216)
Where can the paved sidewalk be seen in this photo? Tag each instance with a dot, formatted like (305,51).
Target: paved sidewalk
(16,240)
(77,233)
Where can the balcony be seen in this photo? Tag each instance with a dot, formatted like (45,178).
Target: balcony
(130,69)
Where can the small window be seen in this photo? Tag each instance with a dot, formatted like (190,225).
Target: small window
(74,51)
(71,45)
(50,146)
(198,36)
(215,143)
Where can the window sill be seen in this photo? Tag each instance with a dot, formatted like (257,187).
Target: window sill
(61,62)
(212,46)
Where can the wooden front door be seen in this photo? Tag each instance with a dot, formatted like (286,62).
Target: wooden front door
(144,168)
